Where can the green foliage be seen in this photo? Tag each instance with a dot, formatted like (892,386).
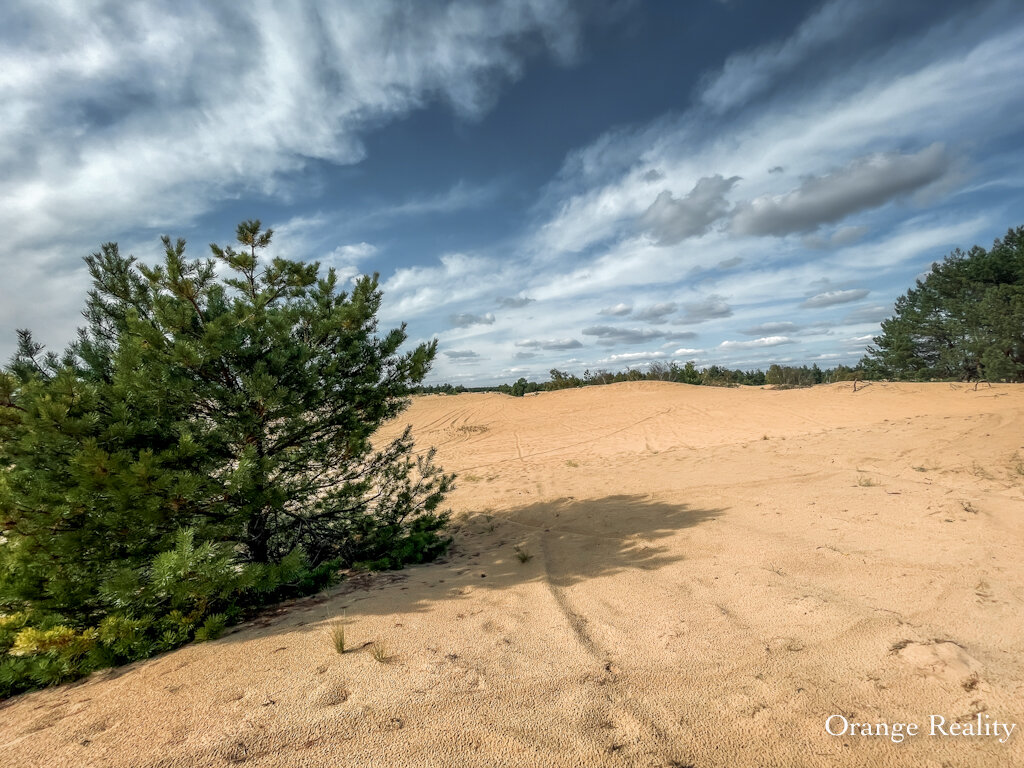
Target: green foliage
(522,555)
(562,380)
(964,320)
(789,377)
(213,627)
(206,446)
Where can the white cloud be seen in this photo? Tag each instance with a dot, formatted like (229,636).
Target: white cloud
(467,319)
(867,182)
(616,309)
(767,341)
(550,344)
(707,309)
(772,327)
(656,313)
(670,220)
(352,253)
(831,298)
(630,357)
(461,354)
(613,334)
(746,74)
(115,119)
(514,302)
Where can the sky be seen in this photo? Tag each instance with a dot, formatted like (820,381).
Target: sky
(539,184)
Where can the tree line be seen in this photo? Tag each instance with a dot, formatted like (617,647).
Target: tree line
(779,376)
(963,321)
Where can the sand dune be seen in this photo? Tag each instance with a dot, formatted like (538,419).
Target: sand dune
(709,574)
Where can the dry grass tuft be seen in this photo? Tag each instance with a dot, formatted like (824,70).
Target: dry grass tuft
(379,651)
(338,636)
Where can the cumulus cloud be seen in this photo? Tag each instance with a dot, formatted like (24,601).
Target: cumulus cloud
(352,253)
(868,182)
(550,344)
(711,308)
(616,310)
(767,341)
(467,319)
(514,302)
(670,220)
(461,354)
(831,298)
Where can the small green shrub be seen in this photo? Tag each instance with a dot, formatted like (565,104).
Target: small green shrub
(212,628)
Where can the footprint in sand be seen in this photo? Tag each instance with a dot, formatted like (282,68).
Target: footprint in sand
(983,591)
(784,645)
(943,660)
(329,694)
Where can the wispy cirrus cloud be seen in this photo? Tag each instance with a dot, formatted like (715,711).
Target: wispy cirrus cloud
(775,327)
(117,119)
(461,354)
(613,334)
(550,344)
(514,302)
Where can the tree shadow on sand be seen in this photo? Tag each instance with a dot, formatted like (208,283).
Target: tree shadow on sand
(562,542)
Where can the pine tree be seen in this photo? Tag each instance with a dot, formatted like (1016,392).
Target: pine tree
(964,320)
(240,410)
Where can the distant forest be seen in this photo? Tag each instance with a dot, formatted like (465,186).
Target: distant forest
(713,376)
(963,321)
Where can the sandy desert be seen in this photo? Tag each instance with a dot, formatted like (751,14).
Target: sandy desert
(642,574)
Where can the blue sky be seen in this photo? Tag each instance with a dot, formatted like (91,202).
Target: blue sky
(540,183)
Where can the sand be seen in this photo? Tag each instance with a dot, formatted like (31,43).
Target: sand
(709,575)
